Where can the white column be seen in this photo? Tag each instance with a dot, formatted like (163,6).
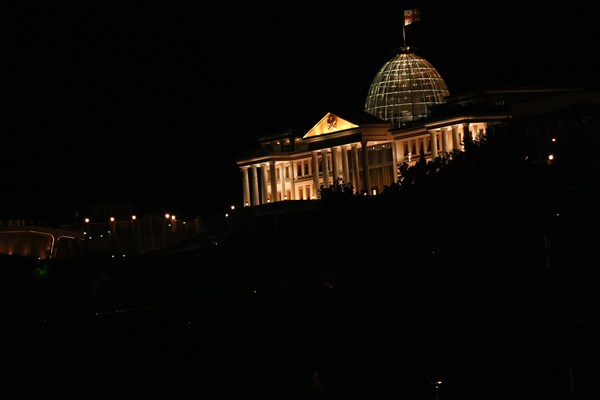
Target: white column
(455,141)
(366,173)
(433,144)
(401,157)
(265,190)
(273,181)
(334,164)
(345,170)
(394,155)
(255,201)
(444,133)
(400,151)
(325,168)
(292,181)
(315,171)
(466,134)
(282,179)
(356,168)
(479,131)
(245,185)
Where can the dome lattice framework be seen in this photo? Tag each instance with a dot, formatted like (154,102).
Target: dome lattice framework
(404,89)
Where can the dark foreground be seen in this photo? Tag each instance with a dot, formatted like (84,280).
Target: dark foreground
(345,338)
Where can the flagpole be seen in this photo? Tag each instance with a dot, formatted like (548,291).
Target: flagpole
(408,17)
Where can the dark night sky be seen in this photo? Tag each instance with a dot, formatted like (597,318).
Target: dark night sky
(151,103)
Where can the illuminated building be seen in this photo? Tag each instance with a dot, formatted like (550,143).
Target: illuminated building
(360,151)
(408,113)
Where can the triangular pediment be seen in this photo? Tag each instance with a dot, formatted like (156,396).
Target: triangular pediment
(330,123)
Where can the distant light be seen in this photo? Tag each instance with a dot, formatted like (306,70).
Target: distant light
(167,215)
(86,220)
(172,218)
(112,219)
(133,217)
(226,215)
(554,139)
(246,204)
(551,157)
(232,207)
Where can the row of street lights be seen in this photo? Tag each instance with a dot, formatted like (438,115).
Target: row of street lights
(170,220)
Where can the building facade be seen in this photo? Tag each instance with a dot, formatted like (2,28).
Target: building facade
(365,155)
(408,114)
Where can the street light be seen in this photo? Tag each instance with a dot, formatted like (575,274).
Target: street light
(133,235)
(86,233)
(113,226)
(167,216)
(437,384)
(173,224)
(113,233)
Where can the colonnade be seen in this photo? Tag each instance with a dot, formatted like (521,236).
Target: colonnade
(438,141)
(279,180)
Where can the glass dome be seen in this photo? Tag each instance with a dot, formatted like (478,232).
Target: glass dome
(404,89)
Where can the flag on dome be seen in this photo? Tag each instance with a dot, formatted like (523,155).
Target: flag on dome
(411,16)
